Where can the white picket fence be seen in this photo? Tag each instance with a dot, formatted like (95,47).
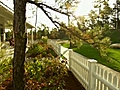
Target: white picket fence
(90,74)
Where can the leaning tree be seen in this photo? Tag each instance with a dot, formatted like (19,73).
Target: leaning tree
(21,36)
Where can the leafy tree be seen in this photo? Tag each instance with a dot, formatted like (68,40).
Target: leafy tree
(91,30)
(39,33)
(21,36)
(116,12)
(104,11)
(54,34)
(43,30)
(9,35)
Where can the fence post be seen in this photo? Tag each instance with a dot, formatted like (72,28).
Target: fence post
(69,62)
(91,79)
(59,50)
(47,41)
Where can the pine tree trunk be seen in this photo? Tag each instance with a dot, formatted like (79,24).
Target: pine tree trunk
(20,44)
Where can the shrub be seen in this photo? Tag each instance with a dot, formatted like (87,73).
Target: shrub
(44,39)
(35,50)
(5,69)
(2,53)
(45,74)
(40,49)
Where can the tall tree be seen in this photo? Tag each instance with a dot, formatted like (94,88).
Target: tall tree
(20,36)
(116,12)
(20,44)
(105,11)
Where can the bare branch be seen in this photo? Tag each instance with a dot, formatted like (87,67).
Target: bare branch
(41,5)
(48,16)
(47,6)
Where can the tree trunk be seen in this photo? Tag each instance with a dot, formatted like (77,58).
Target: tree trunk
(20,44)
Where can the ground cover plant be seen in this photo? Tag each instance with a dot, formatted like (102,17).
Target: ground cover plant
(43,71)
(5,69)
(47,74)
(40,50)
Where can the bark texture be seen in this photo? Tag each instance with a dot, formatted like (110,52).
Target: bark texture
(20,44)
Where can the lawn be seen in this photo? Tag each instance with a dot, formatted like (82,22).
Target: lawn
(90,52)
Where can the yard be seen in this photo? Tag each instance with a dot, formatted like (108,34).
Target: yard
(36,71)
(92,53)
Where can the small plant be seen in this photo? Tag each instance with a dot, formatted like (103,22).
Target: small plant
(45,74)
(5,69)
(44,39)
(40,49)
(2,53)
(35,50)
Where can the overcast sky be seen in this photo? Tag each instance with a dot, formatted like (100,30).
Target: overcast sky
(83,9)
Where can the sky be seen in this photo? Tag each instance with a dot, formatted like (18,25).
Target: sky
(84,8)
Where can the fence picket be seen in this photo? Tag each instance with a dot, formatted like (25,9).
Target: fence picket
(115,80)
(106,78)
(102,85)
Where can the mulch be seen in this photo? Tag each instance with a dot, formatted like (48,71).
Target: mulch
(72,83)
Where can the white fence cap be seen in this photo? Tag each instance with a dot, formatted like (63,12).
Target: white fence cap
(92,60)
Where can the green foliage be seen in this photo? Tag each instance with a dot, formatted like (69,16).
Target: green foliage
(54,34)
(5,69)
(48,74)
(67,4)
(95,37)
(42,31)
(114,35)
(41,49)
(40,74)
(35,50)
(88,51)
(99,41)
(9,35)
(92,29)
(44,39)
(2,52)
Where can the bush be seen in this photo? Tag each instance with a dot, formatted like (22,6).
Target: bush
(2,53)
(5,69)
(45,74)
(40,49)
(35,50)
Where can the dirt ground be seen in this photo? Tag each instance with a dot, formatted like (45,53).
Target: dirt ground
(72,83)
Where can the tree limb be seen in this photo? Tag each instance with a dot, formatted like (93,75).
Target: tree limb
(49,7)
(41,5)
(48,16)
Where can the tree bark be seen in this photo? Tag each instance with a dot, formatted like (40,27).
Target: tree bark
(20,44)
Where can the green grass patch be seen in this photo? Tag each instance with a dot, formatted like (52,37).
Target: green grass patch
(92,53)
(88,51)
(67,45)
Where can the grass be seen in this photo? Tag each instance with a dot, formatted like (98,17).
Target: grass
(92,53)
